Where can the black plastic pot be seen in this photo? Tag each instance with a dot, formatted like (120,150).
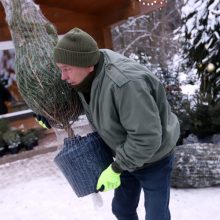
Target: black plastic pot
(14,150)
(2,152)
(82,160)
(29,146)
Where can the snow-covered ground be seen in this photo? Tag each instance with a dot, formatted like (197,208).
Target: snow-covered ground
(34,189)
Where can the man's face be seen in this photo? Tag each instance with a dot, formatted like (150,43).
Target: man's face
(74,75)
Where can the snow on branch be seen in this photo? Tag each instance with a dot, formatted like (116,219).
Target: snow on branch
(133,42)
(215,12)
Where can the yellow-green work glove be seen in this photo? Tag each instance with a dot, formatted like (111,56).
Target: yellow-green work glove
(109,179)
(42,121)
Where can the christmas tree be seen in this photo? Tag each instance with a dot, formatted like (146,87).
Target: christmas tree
(201,31)
(201,49)
(38,77)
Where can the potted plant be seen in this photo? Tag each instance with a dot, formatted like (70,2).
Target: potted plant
(2,146)
(4,125)
(13,140)
(29,139)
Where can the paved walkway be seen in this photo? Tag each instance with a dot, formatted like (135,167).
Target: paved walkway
(34,189)
(28,169)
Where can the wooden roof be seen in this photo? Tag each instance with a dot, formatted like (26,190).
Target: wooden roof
(93,16)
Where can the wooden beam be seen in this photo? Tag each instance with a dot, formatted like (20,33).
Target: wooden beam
(5,33)
(66,19)
(85,6)
(107,36)
(55,14)
(110,17)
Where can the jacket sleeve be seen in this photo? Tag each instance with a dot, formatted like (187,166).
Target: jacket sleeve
(140,118)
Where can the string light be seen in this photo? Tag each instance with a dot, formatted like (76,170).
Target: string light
(143,2)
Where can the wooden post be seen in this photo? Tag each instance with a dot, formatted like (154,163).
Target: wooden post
(107,36)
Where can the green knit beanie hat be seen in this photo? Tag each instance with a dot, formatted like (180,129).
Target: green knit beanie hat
(77,48)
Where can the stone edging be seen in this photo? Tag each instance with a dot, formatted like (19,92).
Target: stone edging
(27,154)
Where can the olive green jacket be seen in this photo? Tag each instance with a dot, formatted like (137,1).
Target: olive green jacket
(129,109)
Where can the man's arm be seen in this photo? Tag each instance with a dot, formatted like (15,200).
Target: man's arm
(140,118)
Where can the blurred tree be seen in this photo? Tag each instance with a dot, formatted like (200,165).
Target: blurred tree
(201,34)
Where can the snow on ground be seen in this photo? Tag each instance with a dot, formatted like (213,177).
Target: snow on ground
(34,189)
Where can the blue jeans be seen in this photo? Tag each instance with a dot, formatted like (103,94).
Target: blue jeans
(155,181)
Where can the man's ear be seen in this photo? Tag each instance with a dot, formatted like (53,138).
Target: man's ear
(91,68)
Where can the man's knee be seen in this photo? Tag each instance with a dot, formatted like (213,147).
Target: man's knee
(122,212)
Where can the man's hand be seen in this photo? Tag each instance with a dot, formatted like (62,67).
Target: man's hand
(108,179)
(42,121)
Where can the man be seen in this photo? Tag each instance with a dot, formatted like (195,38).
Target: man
(127,105)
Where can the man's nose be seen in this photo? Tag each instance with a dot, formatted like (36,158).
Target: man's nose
(63,75)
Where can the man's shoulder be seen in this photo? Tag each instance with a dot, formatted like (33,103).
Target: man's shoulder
(116,75)
(121,70)
(114,67)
